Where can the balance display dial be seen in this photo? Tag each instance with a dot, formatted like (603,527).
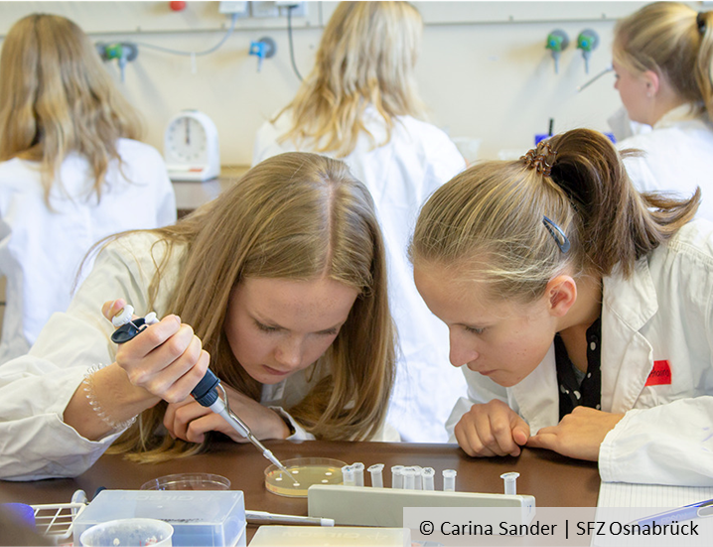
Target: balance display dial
(187,140)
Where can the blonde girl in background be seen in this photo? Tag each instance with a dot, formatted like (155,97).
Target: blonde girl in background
(71,170)
(279,285)
(663,59)
(582,310)
(360,103)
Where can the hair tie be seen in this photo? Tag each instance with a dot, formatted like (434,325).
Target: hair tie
(557,234)
(700,21)
(541,158)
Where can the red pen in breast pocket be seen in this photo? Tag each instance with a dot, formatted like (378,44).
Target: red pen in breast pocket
(660,374)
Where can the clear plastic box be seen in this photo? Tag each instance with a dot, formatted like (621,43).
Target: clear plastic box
(199,518)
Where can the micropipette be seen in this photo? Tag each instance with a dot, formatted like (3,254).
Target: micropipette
(205,393)
(595,78)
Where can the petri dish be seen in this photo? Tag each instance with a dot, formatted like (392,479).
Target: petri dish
(307,471)
(188,481)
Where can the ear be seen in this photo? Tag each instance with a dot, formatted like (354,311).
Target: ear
(561,294)
(652,81)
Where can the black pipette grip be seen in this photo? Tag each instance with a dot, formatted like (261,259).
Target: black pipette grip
(205,393)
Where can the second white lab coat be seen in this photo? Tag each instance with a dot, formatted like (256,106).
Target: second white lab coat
(678,154)
(663,312)
(401,175)
(41,249)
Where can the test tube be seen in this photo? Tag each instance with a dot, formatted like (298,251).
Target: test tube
(377,478)
(409,474)
(427,478)
(358,468)
(510,482)
(417,481)
(449,480)
(348,476)
(397,478)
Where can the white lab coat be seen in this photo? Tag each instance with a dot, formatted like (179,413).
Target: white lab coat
(41,250)
(663,312)
(401,175)
(35,388)
(677,157)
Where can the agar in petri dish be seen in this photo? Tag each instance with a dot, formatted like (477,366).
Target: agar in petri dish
(307,471)
(188,481)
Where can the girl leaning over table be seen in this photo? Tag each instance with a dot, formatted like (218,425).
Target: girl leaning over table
(279,285)
(582,310)
(360,103)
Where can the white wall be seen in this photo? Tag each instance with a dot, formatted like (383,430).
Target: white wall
(483,69)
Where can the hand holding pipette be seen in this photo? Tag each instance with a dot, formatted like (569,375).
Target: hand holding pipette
(208,392)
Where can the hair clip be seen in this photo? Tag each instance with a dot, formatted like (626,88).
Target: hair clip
(700,22)
(556,233)
(541,158)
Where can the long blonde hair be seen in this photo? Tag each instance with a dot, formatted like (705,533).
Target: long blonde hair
(57,98)
(489,219)
(673,40)
(293,216)
(366,58)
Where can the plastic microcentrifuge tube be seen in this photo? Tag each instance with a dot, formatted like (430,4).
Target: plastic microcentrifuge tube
(397,478)
(348,476)
(417,477)
(427,478)
(449,480)
(358,473)
(510,482)
(409,474)
(377,478)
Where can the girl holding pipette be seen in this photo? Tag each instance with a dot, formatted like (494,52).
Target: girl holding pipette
(279,285)
(582,310)
(663,60)
(360,103)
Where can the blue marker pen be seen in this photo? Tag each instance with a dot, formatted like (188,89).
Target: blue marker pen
(701,509)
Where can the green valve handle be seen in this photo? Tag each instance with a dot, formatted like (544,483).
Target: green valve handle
(587,41)
(556,42)
(113,51)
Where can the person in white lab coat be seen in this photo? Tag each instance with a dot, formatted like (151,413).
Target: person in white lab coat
(280,284)
(360,104)
(71,171)
(582,310)
(663,59)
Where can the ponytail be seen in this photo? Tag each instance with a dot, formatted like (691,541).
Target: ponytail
(489,219)
(618,225)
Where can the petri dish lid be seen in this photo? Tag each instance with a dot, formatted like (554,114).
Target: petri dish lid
(307,471)
(188,481)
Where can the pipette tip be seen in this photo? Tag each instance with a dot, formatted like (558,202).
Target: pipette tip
(270,456)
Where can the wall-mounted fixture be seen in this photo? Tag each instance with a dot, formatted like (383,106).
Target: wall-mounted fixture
(264,48)
(587,41)
(123,52)
(557,41)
